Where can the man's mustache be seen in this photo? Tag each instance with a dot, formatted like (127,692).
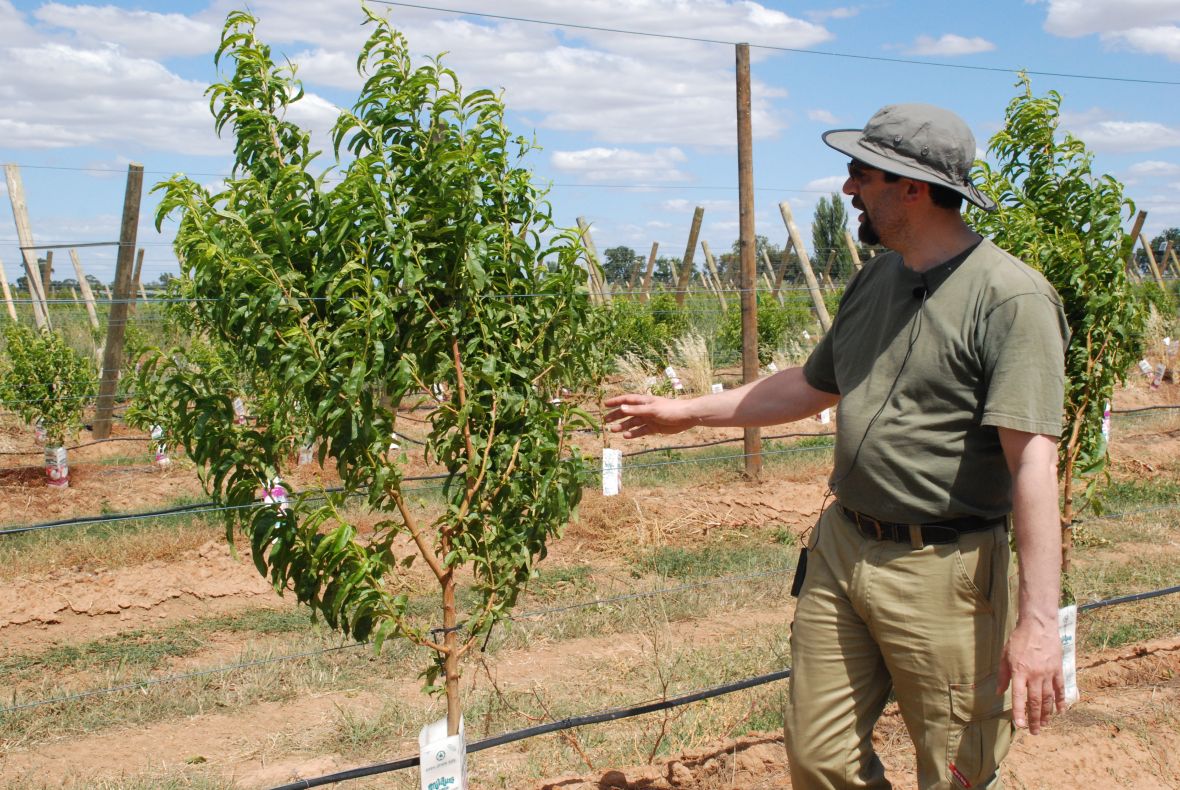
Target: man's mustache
(858,204)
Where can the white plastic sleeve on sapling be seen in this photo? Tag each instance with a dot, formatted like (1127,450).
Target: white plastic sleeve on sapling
(57,468)
(239,411)
(1106,423)
(1145,367)
(612,471)
(442,757)
(670,372)
(1067,625)
(824,416)
(717,387)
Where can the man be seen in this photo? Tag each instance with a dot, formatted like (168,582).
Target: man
(947,360)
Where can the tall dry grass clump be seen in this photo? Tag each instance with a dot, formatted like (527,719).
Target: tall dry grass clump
(694,362)
(636,374)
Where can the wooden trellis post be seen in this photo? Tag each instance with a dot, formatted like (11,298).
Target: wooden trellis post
(593,265)
(817,296)
(716,279)
(828,270)
(1155,270)
(686,265)
(112,358)
(747,239)
(651,267)
(87,294)
(24,235)
(7,293)
(852,249)
(1136,230)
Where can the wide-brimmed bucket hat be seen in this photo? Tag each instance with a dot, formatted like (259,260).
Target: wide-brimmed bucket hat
(918,141)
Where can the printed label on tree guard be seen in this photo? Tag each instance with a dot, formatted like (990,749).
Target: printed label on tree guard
(443,758)
(670,372)
(1067,624)
(161,448)
(56,467)
(612,471)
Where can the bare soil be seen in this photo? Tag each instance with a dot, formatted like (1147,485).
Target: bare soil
(1124,733)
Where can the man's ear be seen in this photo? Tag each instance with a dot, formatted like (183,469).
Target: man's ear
(915,191)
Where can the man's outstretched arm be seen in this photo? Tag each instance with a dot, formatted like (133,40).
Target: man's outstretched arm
(784,397)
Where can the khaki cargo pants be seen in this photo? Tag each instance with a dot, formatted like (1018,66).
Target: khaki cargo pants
(928,624)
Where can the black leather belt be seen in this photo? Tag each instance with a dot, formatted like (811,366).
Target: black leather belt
(940,532)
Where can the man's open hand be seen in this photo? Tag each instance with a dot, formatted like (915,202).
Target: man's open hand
(641,415)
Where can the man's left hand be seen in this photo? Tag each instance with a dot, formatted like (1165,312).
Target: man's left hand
(1032,664)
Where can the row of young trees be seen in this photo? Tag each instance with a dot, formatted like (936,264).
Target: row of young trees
(621,263)
(404,279)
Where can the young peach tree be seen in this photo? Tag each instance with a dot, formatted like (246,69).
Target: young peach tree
(427,264)
(45,381)
(1067,221)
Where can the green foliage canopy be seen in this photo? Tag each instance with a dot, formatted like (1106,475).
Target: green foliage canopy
(430,266)
(1059,216)
(44,379)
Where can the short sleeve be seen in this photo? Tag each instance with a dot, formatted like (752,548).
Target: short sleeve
(1023,353)
(820,368)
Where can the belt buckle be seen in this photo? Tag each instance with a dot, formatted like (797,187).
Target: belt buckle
(876,524)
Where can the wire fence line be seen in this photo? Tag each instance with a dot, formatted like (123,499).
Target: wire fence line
(212,507)
(859,56)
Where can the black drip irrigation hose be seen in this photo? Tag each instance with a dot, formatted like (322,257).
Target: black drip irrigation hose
(1163,407)
(544,729)
(86,444)
(624,713)
(198,507)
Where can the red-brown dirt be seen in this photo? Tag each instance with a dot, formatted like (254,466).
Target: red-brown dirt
(1124,732)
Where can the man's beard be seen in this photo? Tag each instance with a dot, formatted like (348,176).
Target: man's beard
(867,232)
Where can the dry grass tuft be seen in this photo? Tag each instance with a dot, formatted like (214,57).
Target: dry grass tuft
(694,362)
(636,374)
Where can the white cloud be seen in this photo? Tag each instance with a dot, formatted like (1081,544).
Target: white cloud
(622,165)
(1154,167)
(1161,40)
(99,97)
(1073,18)
(1126,136)
(949,45)
(842,12)
(681,204)
(822,116)
(624,90)
(827,184)
(139,33)
(1147,26)
(315,115)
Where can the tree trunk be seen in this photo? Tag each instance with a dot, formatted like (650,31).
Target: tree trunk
(451,662)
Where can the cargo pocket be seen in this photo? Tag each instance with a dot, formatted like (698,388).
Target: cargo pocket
(977,558)
(978,734)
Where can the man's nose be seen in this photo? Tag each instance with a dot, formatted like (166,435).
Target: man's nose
(849,187)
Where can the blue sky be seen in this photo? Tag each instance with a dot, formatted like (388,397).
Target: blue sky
(85,89)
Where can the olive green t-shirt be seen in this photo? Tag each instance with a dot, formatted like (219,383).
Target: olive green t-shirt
(928,366)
